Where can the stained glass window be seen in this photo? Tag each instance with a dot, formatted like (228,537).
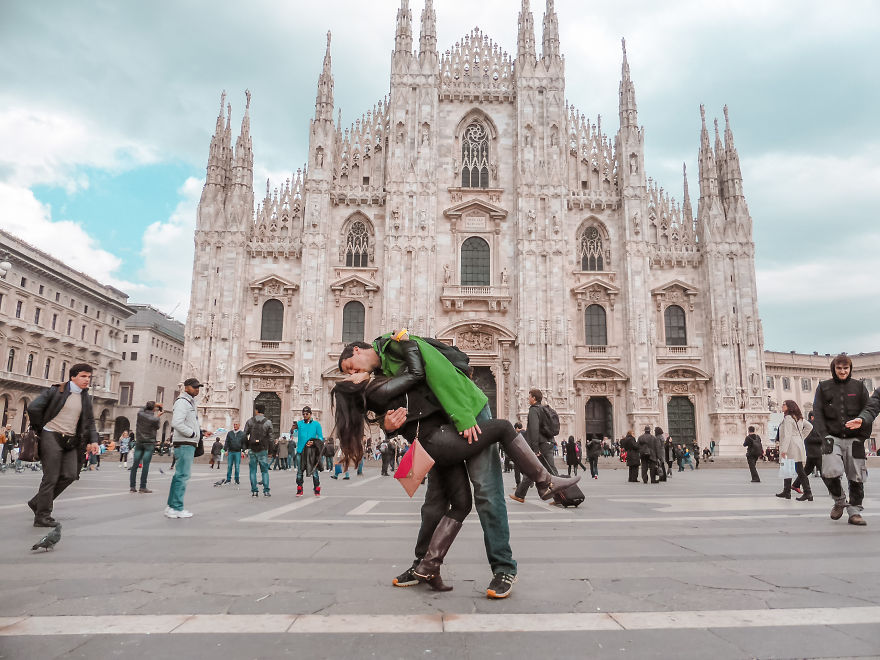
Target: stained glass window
(357,245)
(475,157)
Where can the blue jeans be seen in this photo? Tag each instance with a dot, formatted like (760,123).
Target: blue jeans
(233,458)
(261,457)
(142,454)
(316,481)
(183,457)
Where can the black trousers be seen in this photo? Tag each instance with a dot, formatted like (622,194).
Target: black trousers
(59,471)
(753,460)
(633,473)
(811,463)
(648,468)
(802,477)
(386,459)
(546,449)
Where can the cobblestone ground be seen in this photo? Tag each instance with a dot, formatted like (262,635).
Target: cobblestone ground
(707,565)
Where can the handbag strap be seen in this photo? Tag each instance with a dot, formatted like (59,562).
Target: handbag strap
(418,421)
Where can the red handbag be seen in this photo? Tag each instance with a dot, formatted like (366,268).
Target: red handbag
(414,467)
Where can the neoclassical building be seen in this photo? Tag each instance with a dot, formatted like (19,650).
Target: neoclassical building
(474,203)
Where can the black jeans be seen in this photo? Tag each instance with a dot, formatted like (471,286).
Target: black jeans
(59,471)
(753,460)
(648,468)
(525,483)
(802,477)
(811,463)
(594,466)
(633,474)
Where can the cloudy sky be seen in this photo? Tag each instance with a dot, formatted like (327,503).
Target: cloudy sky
(107,110)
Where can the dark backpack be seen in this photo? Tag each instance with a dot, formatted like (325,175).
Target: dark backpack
(549,421)
(456,356)
(757,448)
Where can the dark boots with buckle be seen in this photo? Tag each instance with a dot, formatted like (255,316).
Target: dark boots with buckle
(428,570)
(527,462)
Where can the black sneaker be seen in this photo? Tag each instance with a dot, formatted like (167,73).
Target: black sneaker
(406,579)
(501,585)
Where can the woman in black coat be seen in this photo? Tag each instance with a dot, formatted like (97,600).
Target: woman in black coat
(631,446)
(571,457)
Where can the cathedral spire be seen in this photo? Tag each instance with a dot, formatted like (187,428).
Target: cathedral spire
(550,46)
(525,42)
(324,99)
(403,40)
(428,34)
(687,211)
(217,151)
(243,163)
(628,112)
(734,174)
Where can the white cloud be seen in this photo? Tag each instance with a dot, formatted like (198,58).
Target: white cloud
(168,255)
(49,147)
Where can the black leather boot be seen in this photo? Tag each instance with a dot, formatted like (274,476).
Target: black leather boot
(547,484)
(428,570)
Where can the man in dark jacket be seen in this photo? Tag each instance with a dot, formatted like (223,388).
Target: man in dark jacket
(659,464)
(147,426)
(541,444)
(63,417)
(233,445)
(754,450)
(258,439)
(631,446)
(594,448)
(838,401)
(646,456)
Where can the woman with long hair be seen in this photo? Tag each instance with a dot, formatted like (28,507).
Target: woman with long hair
(358,398)
(792,431)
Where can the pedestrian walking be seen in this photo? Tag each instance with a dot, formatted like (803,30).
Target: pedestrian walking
(216,450)
(309,443)
(571,456)
(630,446)
(792,431)
(754,451)
(147,425)
(594,448)
(124,446)
(539,437)
(186,435)
(257,439)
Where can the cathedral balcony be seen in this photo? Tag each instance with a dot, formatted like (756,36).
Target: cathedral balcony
(676,353)
(475,298)
(269,349)
(593,199)
(596,353)
(358,195)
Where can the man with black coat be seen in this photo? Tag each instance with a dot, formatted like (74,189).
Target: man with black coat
(754,451)
(631,446)
(646,456)
(541,444)
(659,463)
(258,439)
(233,446)
(147,425)
(63,417)
(838,401)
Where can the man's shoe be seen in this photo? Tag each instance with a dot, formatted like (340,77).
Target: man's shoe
(756,481)
(406,579)
(145,490)
(183,513)
(132,490)
(255,493)
(805,498)
(787,496)
(318,491)
(334,476)
(501,585)
(266,494)
(346,478)
(856,519)
(837,511)
(171,513)
(45,521)
(299,491)
(516,498)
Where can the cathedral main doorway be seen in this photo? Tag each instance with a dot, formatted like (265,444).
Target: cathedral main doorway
(599,420)
(682,424)
(485,380)
(272,405)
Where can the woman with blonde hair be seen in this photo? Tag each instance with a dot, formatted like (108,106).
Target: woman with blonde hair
(792,431)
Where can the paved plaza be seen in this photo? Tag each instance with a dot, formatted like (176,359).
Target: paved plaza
(704,566)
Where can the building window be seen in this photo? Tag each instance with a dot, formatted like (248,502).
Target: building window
(676,327)
(18,307)
(57,296)
(770,383)
(786,383)
(41,289)
(82,333)
(592,257)
(98,315)
(54,320)
(475,156)
(46,370)
(96,337)
(63,371)
(595,326)
(69,326)
(124,339)
(805,385)
(23,282)
(123,354)
(85,309)
(272,324)
(357,245)
(37,316)
(475,262)
(10,362)
(160,395)
(133,357)
(126,393)
(135,339)
(30,364)
(72,302)
(352,322)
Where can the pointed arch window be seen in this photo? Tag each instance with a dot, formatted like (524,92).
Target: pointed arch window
(352,322)
(10,362)
(676,326)
(357,245)
(272,325)
(475,262)
(595,325)
(475,156)
(591,252)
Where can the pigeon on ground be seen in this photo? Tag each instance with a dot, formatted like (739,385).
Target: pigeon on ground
(48,542)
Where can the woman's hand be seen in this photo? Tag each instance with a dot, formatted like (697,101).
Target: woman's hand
(472,434)
(357,377)
(394,419)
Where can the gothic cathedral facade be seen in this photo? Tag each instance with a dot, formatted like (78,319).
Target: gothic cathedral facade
(474,204)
